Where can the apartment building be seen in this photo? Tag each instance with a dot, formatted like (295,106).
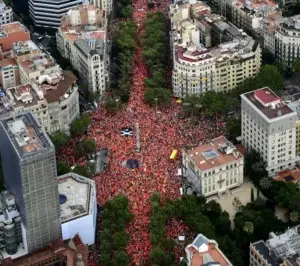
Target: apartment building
(10,34)
(33,81)
(282,249)
(49,13)
(209,53)
(29,172)
(6,13)
(81,38)
(103,4)
(213,168)
(204,251)
(268,126)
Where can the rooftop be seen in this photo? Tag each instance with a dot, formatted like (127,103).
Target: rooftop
(288,176)
(26,134)
(13,27)
(205,252)
(218,152)
(269,104)
(71,251)
(75,193)
(283,246)
(254,6)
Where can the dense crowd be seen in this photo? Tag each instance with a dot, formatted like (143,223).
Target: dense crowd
(161,131)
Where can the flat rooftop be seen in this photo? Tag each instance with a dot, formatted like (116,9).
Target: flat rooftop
(216,153)
(271,105)
(13,27)
(75,194)
(26,134)
(287,176)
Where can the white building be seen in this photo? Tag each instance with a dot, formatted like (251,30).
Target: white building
(283,249)
(103,4)
(48,13)
(204,251)
(81,38)
(268,126)
(78,204)
(6,13)
(209,53)
(213,168)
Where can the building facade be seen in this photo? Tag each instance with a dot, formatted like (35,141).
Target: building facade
(29,168)
(49,13)
(32,81)
(213,168)
(268,126)
(78,204)
(204,251)
(81,38)
(208,52)
(6,13)
(10,225)
(283,249)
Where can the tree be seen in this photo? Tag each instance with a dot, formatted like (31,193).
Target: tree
(80,126)
(265,183)
(157,96)
(59,139)
(296,66)
(62,168)
(113,104)
(233,127)
(89,145)
(120,258)
(157,256)
(294,217)
(249,228)
(270,76)
(82,170)
(213,209)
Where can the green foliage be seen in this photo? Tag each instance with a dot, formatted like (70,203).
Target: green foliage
(123,8)
(157,96)
(62,168)
(155,52)
(59,139)
(113,237)
(233,127)
(83,170)
(123,50)
(112,104)
(84,147)
(80,126)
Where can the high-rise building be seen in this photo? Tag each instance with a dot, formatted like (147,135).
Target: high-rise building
(6,13)
(48,13)
(29,169)
(269,127)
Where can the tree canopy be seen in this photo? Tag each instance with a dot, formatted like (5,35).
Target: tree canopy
(80,125)
(59,139)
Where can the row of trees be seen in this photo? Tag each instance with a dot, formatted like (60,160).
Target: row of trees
(123,9)
(209,220)
(155,53)
(80,125)
(113,237)
(123,50)
(223,103)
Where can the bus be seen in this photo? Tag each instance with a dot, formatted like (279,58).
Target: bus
(173,154)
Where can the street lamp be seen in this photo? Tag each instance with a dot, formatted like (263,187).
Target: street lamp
(117,101)
(155,99)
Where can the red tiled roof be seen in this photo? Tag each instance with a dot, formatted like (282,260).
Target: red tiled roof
(266,95)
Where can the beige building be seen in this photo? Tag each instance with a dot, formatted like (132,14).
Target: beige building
(9,73)
(81,38)
(213,168)
(209,53)
(6,13)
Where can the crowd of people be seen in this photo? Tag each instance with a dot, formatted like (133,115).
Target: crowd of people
(160,131)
